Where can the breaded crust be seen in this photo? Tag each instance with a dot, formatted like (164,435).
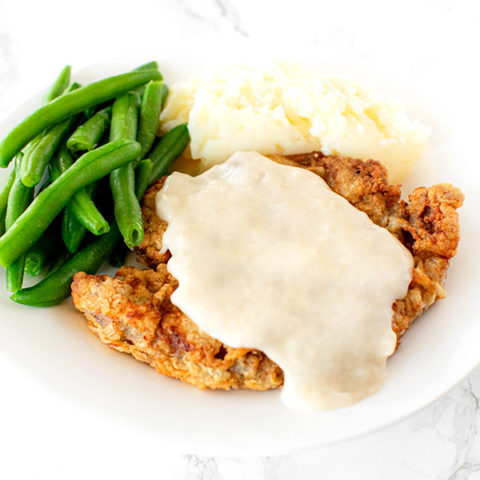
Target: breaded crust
(132,312)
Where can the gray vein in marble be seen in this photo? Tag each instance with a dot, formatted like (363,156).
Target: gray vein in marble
(464,471)
(441,442)
(228,12)
(215,12)
(444,4)
(471,391)
(189,11)
(465,424)
(201,468)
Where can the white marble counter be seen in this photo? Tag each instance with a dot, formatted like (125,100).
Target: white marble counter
(38,38)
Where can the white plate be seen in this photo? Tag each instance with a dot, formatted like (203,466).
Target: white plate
(55,347)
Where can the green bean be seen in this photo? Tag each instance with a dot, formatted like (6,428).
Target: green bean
(125,117)
(38,155)
(18,196)
(73,232)
(149,115)
(59,262)
(54,92)
(88,135)
(57,286)
(128,213)
(61,163)
(32,144)
(147,66)
(118,256)
(81,205)
(168,149)
(41,252)
(70,104)
(15,274)
(35,161)
(122,181)
(91,111)
(143,174)
(89,168)
(18,200)
(4,192)
(87,214)
(59,86)
(165,91)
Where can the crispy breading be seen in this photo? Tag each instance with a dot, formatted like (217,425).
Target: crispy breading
(154,227)
(132,312)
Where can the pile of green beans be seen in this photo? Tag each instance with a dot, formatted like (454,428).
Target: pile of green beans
(70,104)
(58,213)
(19,198)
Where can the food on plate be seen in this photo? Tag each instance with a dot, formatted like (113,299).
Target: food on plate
(285,110)
(58,189)
(133,312)
(272,267)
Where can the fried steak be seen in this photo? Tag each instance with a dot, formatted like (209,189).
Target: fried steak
(132,312)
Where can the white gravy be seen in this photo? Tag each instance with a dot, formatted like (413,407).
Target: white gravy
(268,257)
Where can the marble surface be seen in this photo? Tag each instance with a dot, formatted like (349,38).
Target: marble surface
(37,39)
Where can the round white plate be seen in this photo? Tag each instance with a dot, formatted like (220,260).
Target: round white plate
(55,347)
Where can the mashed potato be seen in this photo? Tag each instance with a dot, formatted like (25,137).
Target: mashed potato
(285,109)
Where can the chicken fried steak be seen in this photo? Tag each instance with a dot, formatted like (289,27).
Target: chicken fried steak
(133,313)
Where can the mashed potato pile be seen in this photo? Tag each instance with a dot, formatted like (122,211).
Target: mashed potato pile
(287,110)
